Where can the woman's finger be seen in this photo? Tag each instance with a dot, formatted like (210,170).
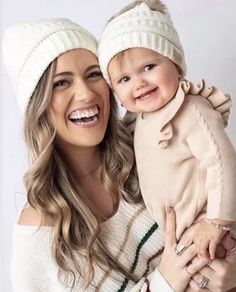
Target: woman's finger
(188,255)
(170,226)
(196,264)
(215,265)
(205,277)
(193,287)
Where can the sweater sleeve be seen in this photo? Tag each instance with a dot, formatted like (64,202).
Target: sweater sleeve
(211,146)
(153,283)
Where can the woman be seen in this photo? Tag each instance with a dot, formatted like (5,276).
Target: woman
(85,227)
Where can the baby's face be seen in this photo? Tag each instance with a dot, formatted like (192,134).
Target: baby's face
(143,80)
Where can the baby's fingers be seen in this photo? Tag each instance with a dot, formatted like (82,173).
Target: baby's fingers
(202,246)
(212,249)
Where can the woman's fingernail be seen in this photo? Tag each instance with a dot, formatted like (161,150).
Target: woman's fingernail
(168,209)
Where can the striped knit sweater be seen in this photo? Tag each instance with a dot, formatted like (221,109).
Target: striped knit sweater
(130,235)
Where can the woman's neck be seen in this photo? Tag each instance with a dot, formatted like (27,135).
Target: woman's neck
(85,164)
(83,161)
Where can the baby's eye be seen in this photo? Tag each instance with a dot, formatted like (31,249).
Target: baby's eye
(94,74)
(124,79)
(149,67)
(60,83)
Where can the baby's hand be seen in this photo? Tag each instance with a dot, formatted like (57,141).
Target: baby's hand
(207,238)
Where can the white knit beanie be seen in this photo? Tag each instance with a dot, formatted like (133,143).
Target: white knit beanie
(140,27)
(29,48)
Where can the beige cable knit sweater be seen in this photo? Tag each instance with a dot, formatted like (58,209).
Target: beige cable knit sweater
(185,158)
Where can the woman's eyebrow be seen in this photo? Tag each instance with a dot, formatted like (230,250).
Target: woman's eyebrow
(95,66)
(70,73)
(63,73)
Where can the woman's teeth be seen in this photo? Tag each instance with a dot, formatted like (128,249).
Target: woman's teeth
(84,116)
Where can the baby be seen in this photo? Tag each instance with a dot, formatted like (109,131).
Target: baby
(184,157)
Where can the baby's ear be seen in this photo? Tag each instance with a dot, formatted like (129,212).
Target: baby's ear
(179,72)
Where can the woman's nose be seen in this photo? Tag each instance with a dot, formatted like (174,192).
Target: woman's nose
(83,92)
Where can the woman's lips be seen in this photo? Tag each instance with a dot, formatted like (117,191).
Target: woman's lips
(85,117)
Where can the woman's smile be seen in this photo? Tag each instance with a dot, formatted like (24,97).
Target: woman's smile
(86,117)
(81,100)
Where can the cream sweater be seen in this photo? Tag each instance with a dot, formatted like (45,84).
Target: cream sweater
(132,237)
(185,159)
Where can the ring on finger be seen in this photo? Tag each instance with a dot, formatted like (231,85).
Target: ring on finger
(180,249)
(204,281)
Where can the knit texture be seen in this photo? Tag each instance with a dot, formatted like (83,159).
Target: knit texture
(140,27)
(131,236)
(29,48)
(183,152)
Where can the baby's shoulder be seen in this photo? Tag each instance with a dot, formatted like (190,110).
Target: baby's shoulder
(198,106)
(197,101)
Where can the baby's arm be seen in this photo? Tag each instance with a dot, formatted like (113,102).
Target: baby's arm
(209,234)
(210,145)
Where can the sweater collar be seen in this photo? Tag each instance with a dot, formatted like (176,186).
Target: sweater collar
(167,112)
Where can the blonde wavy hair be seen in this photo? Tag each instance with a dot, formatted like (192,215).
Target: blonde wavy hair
(52,189)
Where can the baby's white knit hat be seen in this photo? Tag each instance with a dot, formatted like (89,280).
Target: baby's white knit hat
(140,27)
(29,48)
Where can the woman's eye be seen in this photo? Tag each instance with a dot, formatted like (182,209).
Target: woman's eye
(124,79)
(149,67)
(60,83)
(94,75)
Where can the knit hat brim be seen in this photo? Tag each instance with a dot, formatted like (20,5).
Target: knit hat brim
(140,27)
(29,48)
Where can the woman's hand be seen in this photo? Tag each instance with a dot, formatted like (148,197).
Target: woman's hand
(220,272)
(173,267)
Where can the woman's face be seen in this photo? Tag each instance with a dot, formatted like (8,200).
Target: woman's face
(80,100)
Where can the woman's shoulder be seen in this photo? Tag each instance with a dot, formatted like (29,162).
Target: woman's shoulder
(32,230)
(32,264)
(31,217)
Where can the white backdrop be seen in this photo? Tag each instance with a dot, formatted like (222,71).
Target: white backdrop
(207,32)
